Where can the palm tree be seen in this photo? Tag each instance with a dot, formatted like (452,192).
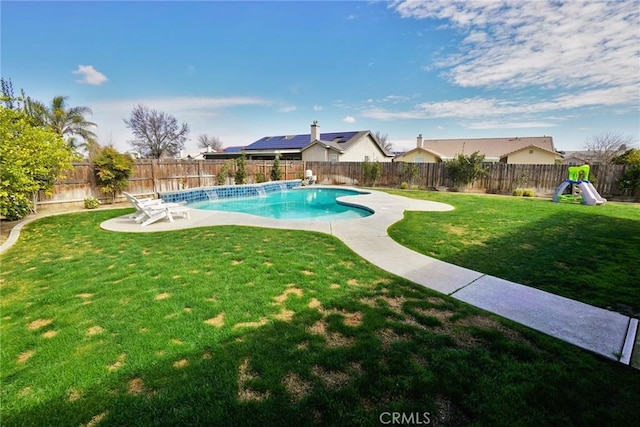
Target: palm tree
(66,121)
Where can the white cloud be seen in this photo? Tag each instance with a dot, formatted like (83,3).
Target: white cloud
(513,125)
(287,109)
(473,108)
(90,75)
(546,43)
(349,119)
(185,103)
(318,107)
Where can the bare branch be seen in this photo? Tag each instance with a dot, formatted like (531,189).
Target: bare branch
(383,140)
(157,133)
(603,147)
(212,142)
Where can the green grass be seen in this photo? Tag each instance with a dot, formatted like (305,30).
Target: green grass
(249,326)
(586,253)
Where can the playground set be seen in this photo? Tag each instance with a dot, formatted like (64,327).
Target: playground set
(580,189)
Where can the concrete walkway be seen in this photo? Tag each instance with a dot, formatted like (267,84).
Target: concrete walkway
(601,331)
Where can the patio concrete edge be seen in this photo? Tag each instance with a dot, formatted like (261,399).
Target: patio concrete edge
(629,341)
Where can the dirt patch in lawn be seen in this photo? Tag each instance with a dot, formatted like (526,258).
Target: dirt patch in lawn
(136,386)
(289,291)
(162,296)
(25,355)
(245,374)
(50,334)
(181,363)
(40,323)
(216,321)
(118,363)
(297,387)
(333,380)
(285,315)
(95,330)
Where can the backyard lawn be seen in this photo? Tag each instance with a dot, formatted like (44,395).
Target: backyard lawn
(587,253)
(250,326)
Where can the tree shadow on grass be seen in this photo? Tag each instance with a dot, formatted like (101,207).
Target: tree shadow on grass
(395,348)
(584,256)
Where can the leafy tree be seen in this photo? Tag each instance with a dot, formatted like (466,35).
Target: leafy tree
(383,139)
(464,170)
(410,171)
(8,99)
(604,147)
(371,172)
(630,180)
(157,133)
(241,173)
(68,122)
(31,160)
(23,103)
(225,171)
(113,170)
(276,172)
(212,142)
(629,157)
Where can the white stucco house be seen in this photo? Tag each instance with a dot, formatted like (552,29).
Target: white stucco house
(348,146)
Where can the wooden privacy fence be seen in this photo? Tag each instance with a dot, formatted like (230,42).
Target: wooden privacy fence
(501,178)
(158,176)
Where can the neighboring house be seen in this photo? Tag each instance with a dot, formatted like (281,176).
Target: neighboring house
(353,146)
(588,157)
(226,153)
(523,150)
(194,154)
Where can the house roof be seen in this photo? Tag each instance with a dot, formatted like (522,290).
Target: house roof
(337,141)
(490,147)
(530,147)
(233,149)
(418,149)
(298,142)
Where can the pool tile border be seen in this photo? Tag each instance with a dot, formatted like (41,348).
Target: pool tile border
(201,194)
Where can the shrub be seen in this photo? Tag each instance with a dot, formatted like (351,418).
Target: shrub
(113,170)
(630,180)
(371,172)
(415,187)
(528,192)
(260,177)
(410,171)
(518,192)
(31,159)
(15,206)
(91,203)
(276,173)
(404,186)
(241,173)
(464,170)
(225,172)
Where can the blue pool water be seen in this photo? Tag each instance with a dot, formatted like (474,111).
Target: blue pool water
(299,204)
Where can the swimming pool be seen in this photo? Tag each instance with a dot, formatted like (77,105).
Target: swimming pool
(298,204)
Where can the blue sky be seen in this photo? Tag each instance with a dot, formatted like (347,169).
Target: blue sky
(242,70)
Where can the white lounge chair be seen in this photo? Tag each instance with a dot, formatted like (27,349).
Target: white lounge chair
(153,213)
(149,211)
(137,202)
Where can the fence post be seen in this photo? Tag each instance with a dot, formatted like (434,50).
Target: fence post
(153,175)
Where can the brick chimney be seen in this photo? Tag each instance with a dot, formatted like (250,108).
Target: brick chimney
(315,131)
(419,143)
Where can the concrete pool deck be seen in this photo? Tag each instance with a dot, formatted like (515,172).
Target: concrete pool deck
(607,333)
